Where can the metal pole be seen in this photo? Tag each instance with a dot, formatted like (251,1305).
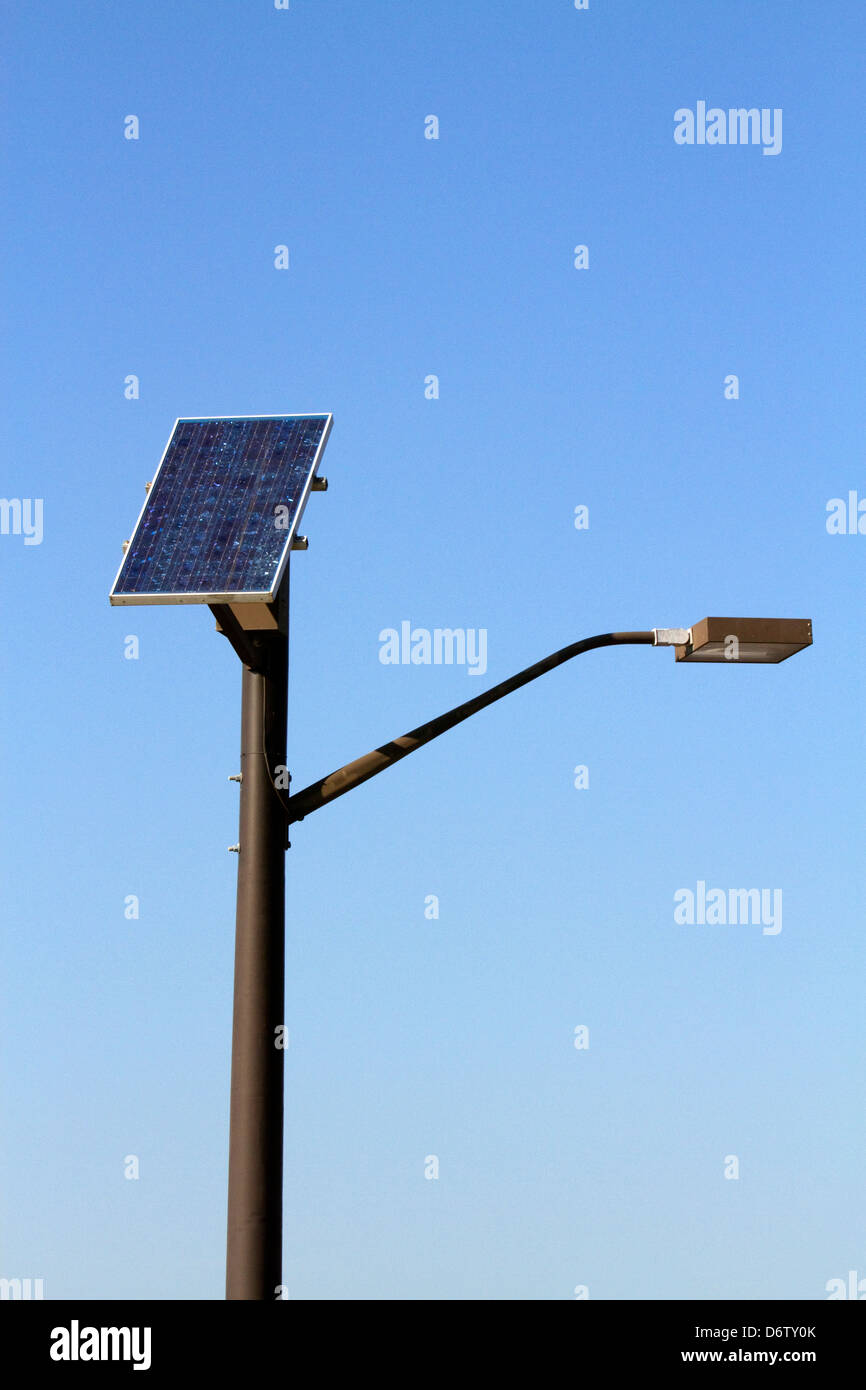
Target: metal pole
(255,1188)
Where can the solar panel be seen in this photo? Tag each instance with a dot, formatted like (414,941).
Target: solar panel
(223,509)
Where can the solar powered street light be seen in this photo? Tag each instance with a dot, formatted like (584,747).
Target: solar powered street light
(218,526)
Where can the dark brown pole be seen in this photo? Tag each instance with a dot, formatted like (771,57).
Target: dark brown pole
(255,1189)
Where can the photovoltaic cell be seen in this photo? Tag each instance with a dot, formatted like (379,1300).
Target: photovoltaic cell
(223,509)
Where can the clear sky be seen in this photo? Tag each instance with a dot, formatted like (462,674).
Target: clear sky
(414,1037)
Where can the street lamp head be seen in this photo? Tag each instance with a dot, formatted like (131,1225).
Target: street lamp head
(752,641)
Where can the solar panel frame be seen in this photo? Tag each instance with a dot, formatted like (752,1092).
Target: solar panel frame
(231,596)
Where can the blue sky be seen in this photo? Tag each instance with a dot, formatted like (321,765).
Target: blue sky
(603,1167)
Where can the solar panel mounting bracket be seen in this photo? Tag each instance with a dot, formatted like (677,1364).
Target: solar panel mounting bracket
(240,622)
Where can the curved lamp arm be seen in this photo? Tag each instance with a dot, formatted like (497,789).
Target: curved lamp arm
(354,773)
